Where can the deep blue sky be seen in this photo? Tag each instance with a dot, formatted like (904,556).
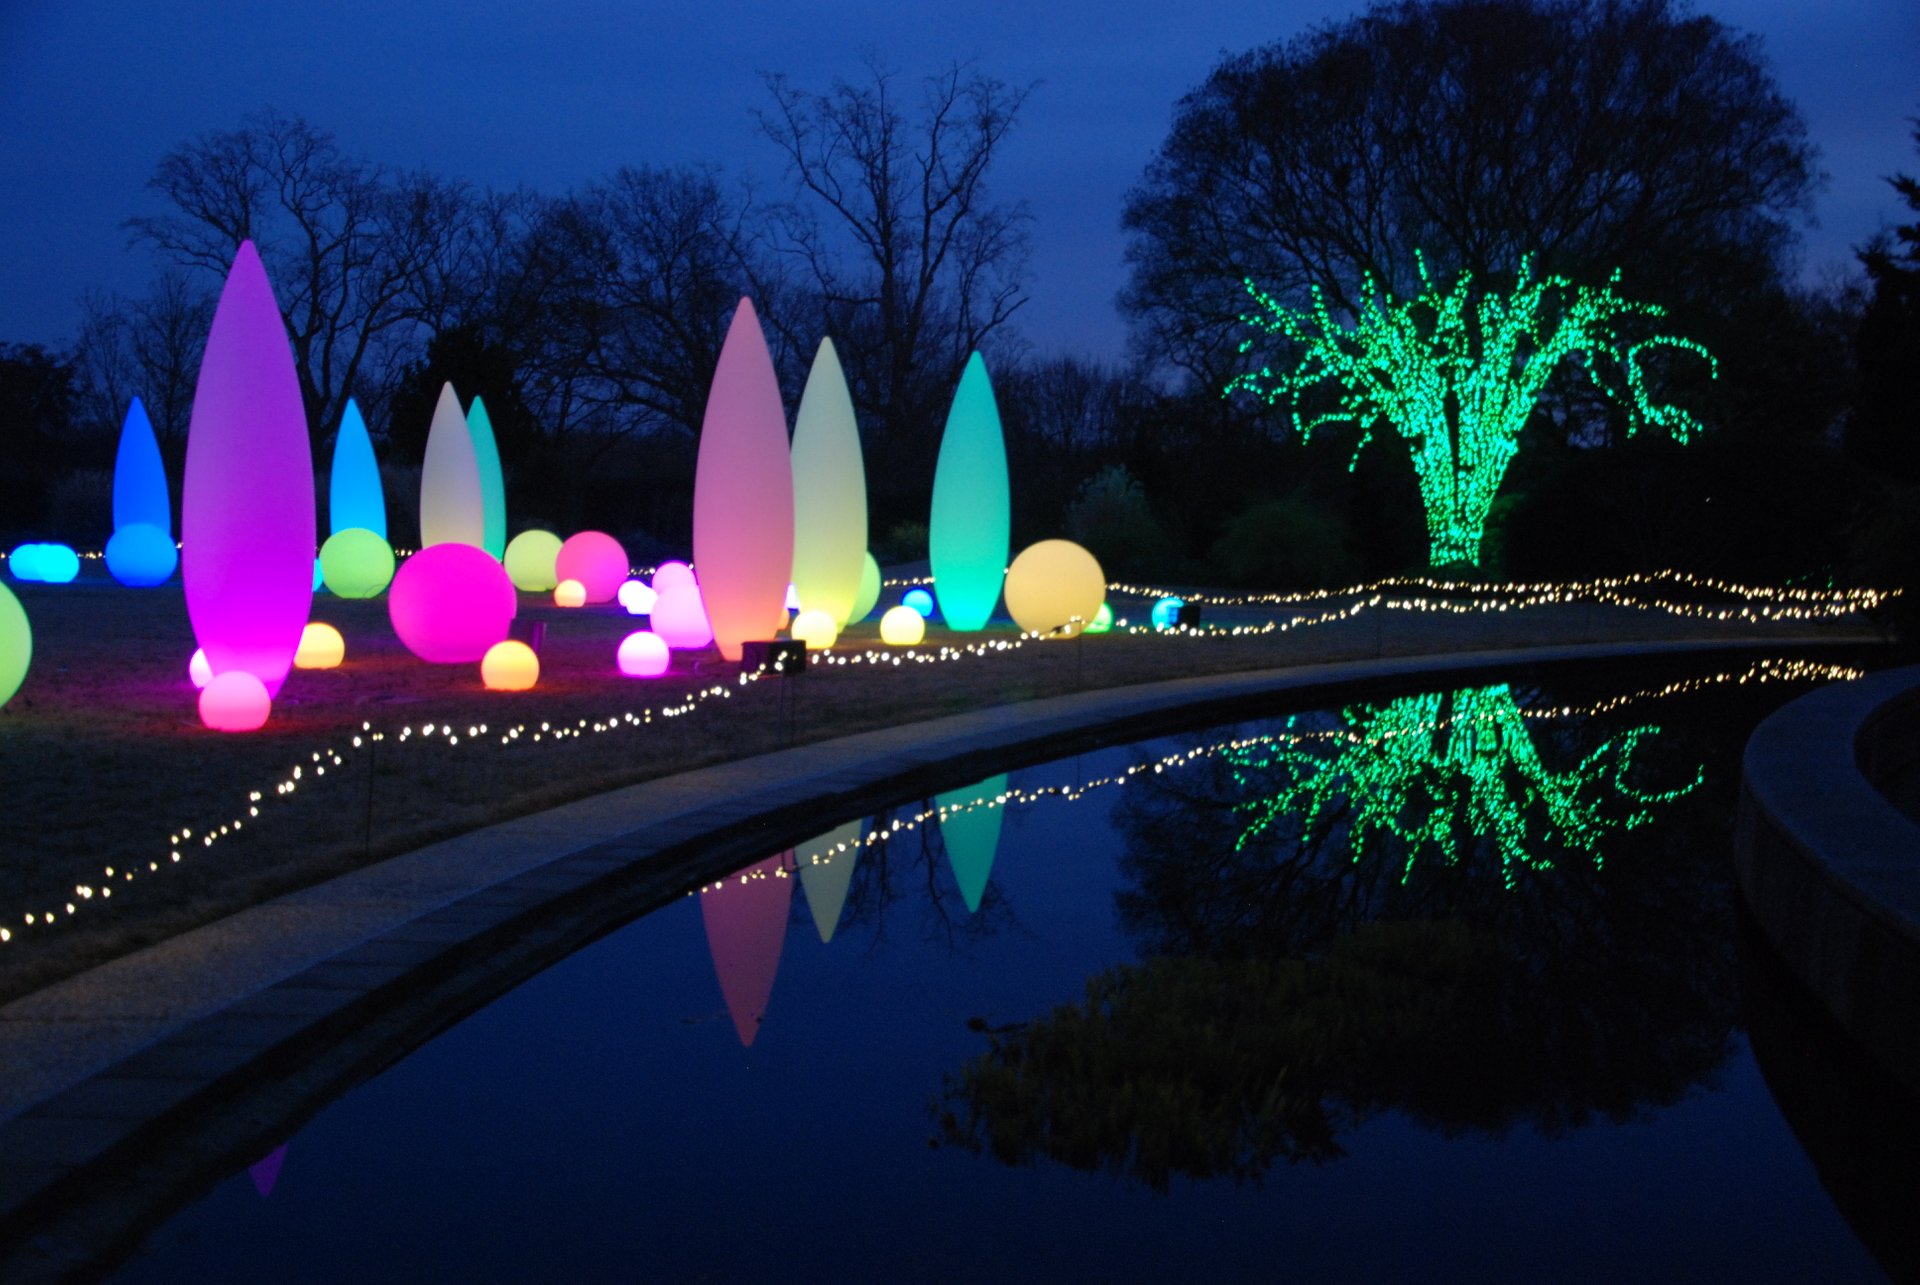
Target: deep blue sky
(93,92)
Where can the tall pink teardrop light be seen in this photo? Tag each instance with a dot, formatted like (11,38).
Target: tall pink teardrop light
(246,506)
(743,492)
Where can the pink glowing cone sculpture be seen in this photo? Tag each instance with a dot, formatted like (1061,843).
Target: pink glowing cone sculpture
(746,920)
(246,510)
(743,492)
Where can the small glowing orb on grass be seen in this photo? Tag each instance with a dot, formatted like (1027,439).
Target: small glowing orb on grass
(530,560)
(869,595)
(509,666)
(198,669)
(235,701)
(141,555)
(569,593)
(596,560)
(643,655)
(45,563)
(638,597)
(451,602)
(902,627)
(816,629)
(356,563)
(1102,620)
(321,647)
(1054,588)
(16,644)
(680,617)
(1166,612)
(920,600)
(669,575)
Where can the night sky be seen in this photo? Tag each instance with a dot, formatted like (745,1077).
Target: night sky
(553,96)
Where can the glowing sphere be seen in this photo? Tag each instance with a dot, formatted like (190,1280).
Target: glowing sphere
(669,575)
(1166,612)
(452,509)
(451,602)
(356,563)
(816,629)
(24,562)
(493,488)
(198,669)
(596,560)
(743,491)
(355,497)
(569,593)
(637,596)
(643,655)
(920,600)
(1055,587)
(321,647)
(902,627)
(235,701)
(246,505)
(509,666)
(139,478)
(141,555)
(829,492)
(45,563)
(319,576)
(16,644)
(680,617)
(968,526)
(869,595)
(1102,620)
(530,557)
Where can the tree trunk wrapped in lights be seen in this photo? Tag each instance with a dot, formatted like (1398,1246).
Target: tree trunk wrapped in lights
(1457,373)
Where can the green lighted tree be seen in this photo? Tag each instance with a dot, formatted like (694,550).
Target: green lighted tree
(1457,373)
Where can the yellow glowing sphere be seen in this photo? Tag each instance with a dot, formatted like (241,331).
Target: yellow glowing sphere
(1054,588)
(570,593)
(816,629)
(530,560)
(509,666)
(902,627)
(321,647)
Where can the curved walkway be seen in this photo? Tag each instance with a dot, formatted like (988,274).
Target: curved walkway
(1830,867)
(127,1085)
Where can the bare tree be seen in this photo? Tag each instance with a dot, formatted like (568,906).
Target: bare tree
(147,347)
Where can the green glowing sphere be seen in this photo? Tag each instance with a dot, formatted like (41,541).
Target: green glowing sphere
(968,530)
(16,644)
(530,561)
(356,563)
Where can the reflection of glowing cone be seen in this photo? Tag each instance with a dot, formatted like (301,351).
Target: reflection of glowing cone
(746,921)
(973,836)
(266,1170)
(825,872)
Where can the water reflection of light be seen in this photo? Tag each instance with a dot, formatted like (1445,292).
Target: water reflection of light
(746,921)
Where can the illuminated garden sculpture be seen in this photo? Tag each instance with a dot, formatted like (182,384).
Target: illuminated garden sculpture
(452,502)
(247,520)
(493,486)
(355,499)
(969,528)
(829,493)
(1457,373)
(140,552)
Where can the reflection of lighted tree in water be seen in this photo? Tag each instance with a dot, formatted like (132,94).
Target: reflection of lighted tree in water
(1379,912)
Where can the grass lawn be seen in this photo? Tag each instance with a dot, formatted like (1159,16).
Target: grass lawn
(106,763)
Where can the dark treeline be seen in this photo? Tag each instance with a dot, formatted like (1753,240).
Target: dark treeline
(1640,136)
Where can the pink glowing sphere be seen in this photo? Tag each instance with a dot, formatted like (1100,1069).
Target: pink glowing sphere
(235,701)
(596,560)
(450,603)
(671,575)
(198,669)
(643,655)
(680,618)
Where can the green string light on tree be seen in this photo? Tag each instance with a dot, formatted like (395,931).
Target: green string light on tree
(1422,772)
(1457,373)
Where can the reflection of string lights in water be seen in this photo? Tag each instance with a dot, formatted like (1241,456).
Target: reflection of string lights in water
(187,840)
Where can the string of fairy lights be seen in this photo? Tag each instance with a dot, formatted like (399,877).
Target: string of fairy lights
(1791,604)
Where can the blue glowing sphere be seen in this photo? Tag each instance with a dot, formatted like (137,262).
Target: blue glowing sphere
(920,600)
(141,555)
(1166,612)
(46,563)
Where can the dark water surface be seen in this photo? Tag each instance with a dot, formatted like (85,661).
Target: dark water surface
(1441,988)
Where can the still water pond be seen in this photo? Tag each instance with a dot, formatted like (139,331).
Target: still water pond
(1438,987)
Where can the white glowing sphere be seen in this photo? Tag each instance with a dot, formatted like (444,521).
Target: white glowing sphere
(1054,588)
(235,701)
(681,618)
(198,669)
(816,629)
(638,597)
(902,627)
(643,655)
(569,593)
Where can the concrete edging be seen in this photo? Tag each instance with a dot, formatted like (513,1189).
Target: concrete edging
(1829,867)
